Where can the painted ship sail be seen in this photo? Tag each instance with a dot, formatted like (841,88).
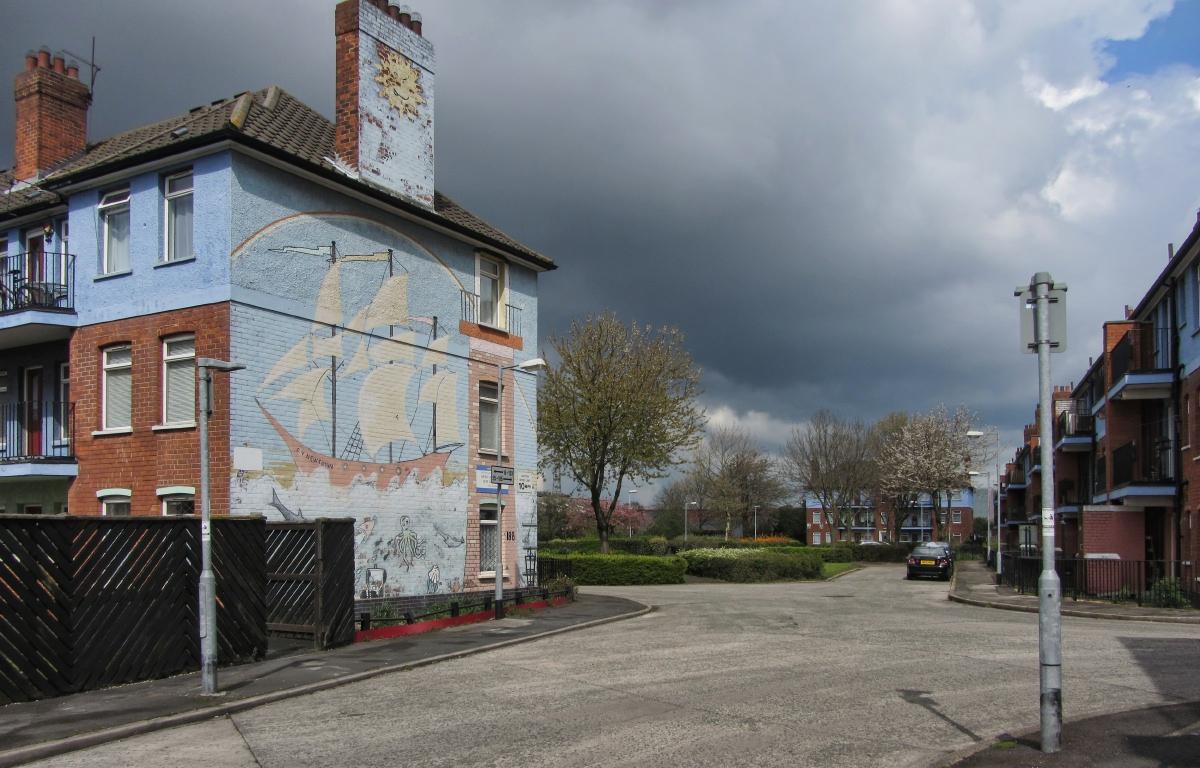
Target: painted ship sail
(381,372)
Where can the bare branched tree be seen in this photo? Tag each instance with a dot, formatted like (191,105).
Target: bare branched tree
(620,405)
(833,461)
(737,475)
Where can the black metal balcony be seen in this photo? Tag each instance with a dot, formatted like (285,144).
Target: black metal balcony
(36,430)
(42,281)
(1145,464)
(1141,350)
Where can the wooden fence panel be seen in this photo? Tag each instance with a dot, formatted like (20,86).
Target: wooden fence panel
(35,608)
(87,602)
(337,587)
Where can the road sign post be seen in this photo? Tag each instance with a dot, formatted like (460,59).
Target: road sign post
(501,476)
(1044,313)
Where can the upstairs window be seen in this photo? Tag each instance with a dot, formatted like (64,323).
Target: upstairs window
(177,199)
(118,387)
(114,214)
(64,403)
(489,417)
(491,292)
(179,380)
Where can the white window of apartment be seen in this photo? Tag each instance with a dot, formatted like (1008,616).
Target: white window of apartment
(114,502)
(828,537)
(114,213)
(816,517)
(63,407)
(177,215)
(489,541)
(179,380)
(489,417)
(178,504)
(957,516)
(816,538)
(118,387)
(491,292)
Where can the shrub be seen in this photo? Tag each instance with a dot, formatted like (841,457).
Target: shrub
(1166,593)
(745,565)
(849,552)
(599,569)
(639,545)
(563,584)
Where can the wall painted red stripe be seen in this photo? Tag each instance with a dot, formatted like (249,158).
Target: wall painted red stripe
(401,630)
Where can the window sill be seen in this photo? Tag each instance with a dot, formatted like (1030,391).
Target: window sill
(113,431)
(111,275)
(491,575)
(173,262)
(173,427)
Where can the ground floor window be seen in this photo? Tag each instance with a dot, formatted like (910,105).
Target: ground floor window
(489,540)
(828,537)
(179,505)
(116,507)
(816,538)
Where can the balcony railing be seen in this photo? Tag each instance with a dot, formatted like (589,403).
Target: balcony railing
(1076,421)
(36,430)
(1141,349)
(1096,388)
(489,314)
(37,281)
(1133,463)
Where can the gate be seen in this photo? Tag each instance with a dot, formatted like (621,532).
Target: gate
(310,580)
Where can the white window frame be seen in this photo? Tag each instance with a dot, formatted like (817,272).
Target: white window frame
(106,367)
(494,449)
(175,497)
(956,516)
(816,538)
(113,496)
(816,517)
(63,417)
(828,537)
(111,203)
(490,506)
(501,318)
(167,360)
(169,199)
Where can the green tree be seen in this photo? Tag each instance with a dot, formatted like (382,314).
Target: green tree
(620,405)
(552,515)
(792,521)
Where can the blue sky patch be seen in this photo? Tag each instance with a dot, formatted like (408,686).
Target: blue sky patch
(1168,40)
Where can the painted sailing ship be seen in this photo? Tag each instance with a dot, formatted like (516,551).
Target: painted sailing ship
(383,359)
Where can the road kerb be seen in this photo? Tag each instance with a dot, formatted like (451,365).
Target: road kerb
(95,738)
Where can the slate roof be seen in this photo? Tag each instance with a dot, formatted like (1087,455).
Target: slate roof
(271,120)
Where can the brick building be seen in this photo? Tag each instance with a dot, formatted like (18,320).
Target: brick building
(873,520)
(371,312)
(1126,437)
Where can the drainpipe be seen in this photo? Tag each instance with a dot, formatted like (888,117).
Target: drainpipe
(1176,374)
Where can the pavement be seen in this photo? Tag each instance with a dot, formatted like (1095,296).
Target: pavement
(1150,737)
(39,729)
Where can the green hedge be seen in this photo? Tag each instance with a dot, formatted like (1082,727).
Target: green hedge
(639,545)
(596,569)
(677,544)
(746,565)
(849,552)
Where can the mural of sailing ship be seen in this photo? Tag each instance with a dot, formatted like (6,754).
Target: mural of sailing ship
(386,356)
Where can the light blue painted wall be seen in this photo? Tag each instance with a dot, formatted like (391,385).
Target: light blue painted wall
(151,286)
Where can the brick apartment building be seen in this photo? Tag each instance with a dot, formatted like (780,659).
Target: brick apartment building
(1126,437)
(873,520)
(370,311)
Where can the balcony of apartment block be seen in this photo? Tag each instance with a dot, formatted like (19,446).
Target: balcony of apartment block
(37,298)
(1069,498)
(1144,473)
(1017,480)
(1095,392)
(1074,428)
(492,318)
(35,440)
(1141,365)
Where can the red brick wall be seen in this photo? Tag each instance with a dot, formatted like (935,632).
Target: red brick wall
(51,118)
(345,24)
(145,459)
(482,368)
(1190,467)
(1121,532)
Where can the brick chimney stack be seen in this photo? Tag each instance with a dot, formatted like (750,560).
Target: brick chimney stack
(384,97)
(51,119)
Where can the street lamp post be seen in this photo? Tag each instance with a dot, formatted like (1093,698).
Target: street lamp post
(995,441)
(685,525)
(208,583)
(529,366)
(756,522)
(632,493)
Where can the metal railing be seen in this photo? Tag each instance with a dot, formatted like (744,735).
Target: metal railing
(1161,583)
(1076,421)
(470,306)
(36,430)
(1140,464)
(37,281)
(1096,388)
(1141,349)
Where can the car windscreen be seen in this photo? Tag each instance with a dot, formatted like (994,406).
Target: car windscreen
(928,552)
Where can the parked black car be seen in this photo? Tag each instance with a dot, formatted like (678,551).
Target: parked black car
(927,560)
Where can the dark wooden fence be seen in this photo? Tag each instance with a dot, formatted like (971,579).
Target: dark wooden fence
(87,602)
(310,580)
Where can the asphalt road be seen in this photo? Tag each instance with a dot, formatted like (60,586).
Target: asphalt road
(866,670)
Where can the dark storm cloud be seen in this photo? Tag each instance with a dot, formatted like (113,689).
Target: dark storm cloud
(833,201)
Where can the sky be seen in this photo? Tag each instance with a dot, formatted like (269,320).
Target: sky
(833,201)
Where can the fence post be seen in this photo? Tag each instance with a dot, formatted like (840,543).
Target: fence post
(319,597)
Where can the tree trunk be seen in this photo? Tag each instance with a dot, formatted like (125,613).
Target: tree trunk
(603,530)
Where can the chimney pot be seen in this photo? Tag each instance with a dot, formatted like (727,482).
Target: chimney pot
(393,12)
(60,65)
(415,25)
(30,60)
(43,58)
(405,15)
(73,70)
(50,115)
